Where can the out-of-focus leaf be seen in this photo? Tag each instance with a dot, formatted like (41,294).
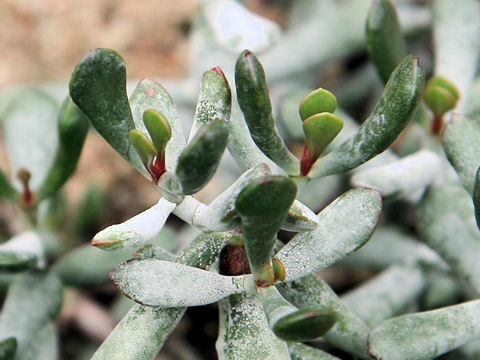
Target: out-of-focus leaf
(72,131)
(199,161)
(254,100)
(299,351)
(461,141)
(21,252)
(98,87)
(263,207)
(386,44)
(428,334)
(390,116)
(343,226)
(446,222)
(32,301)
(8,348)
(30,131)
(7,190)
(402,177)
(44,346)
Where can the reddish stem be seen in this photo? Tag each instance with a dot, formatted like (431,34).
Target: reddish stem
(437,125)
(157,168)
(306,163)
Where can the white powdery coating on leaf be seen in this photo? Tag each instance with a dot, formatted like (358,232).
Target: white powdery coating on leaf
(162,283)
(139,229)
(249,335)
(300,218)
(344,226)
(403,176)
(25,243)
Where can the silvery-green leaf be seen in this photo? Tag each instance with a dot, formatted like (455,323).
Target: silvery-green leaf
(162,283)
(462,146)
(402,177)
(289,117)
(390,116)
(254,100)
(349,332)
(428,334)
(98,87)
(220,214)
(385,41)
(150,95)
(8,348)
(343,226)
(443,289)
(249,335)
(21,252)
(387,294)
(446,222)
(32,300)
(214,101)
(30,131)
(299,351)
(300,218)
(236,28)
(472,107)
(387,246)
(72,130)
(456,30)
(44,346)
(476,197)
(136,231)
(142,332)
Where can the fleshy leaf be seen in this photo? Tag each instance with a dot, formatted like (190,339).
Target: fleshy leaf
(32,300)
(150,95)
(428,334)
(136,231)
(98,87)
(8,348)
(263,207)
(21,252)
(158,128)
(44,346)
(29,128)
(7,190)
(461,141)
(254,100)
(476,197)
(248,335)
(402,177)
(145,150)
(446,222)
(72,131)
(343,226)
(320,130)
(162,283)
(349,332)
(300,218)
(386,44)
(299,351)
(392,113)
(201,157)
(214,101)
(316,102)
(387,294)
(291,324)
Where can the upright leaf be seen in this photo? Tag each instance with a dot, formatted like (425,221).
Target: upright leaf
(263,207)
(72,131)
(385,41)
(199,161)
(98,87)
(390,116)
(254,100)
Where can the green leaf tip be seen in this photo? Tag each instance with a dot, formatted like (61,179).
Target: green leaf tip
(305,324)
(318,101)
(278,270)
(263,206)
(145,149)
(8,348)
(441,96)
(385,41)
(158,128)
(320,130)
(199,161)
